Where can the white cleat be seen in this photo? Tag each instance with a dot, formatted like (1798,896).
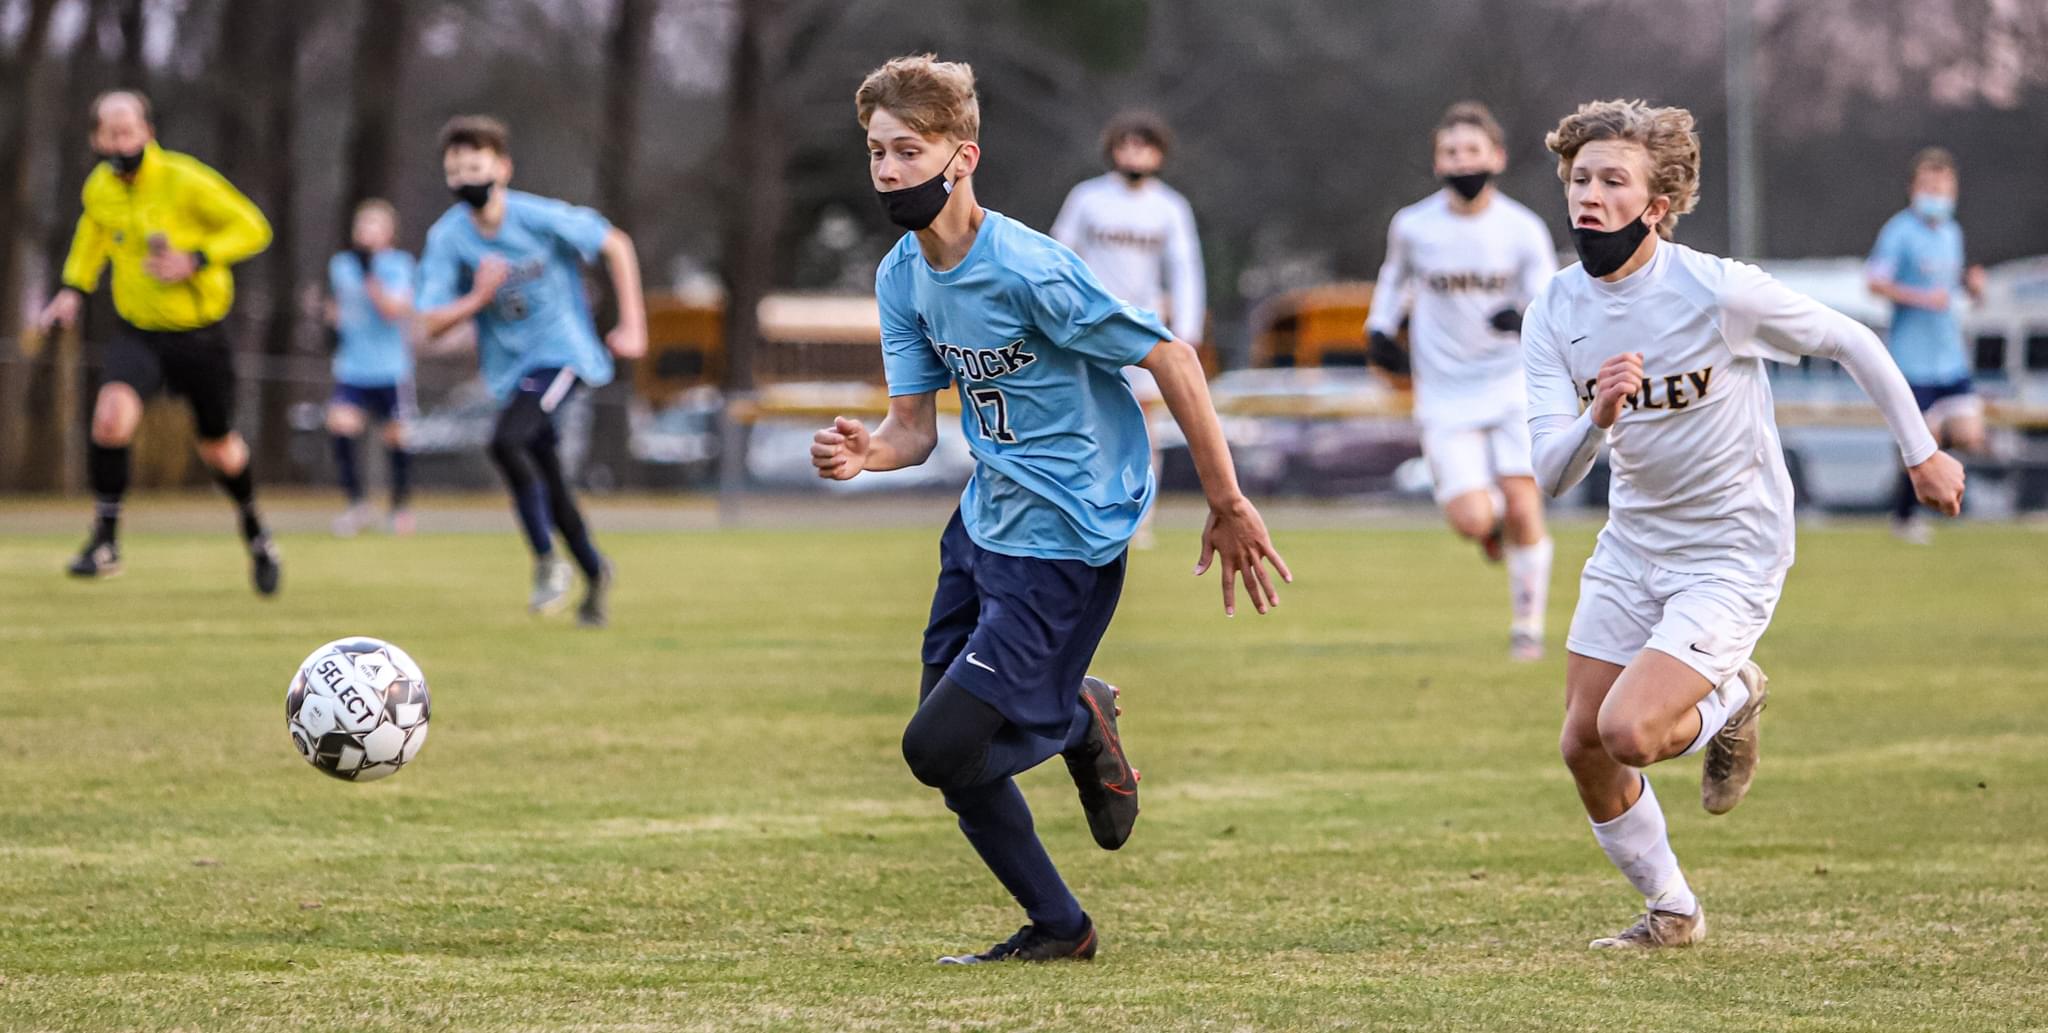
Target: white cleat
(1658,929)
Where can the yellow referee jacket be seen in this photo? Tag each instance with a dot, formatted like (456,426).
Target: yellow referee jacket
(194,209)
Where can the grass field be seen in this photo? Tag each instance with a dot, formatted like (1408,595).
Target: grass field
(699,820)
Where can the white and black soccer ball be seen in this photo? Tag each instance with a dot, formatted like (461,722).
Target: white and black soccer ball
(358,709)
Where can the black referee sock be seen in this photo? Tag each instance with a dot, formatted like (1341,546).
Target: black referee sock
(242,488)
(107,469)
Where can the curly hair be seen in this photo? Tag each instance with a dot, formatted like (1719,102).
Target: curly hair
(932,97)
(1136,124)
(1668,135)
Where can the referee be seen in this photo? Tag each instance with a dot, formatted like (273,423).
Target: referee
(170,227)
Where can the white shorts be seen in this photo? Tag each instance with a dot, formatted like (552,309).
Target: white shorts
(1711,622)
(1468,459)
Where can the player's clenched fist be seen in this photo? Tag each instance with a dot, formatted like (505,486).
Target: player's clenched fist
(1620,378)
(1939,483)
(841,450)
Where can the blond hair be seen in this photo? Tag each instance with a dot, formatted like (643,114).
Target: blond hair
(1667,134)
(932,97)
(379,206)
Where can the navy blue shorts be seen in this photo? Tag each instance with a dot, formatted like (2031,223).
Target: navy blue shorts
(1019,632)
(1930,395)
(386,402)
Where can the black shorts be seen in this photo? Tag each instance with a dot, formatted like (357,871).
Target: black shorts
(194,364)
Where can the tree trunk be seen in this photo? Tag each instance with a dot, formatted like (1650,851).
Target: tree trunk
(18,151)
(759,186)
(381,44)
(626,50)
(273,434)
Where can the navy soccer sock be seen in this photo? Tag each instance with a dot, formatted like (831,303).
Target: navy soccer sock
(345,468)
(1905,501)
(562,504)
(998,823)
(401,477)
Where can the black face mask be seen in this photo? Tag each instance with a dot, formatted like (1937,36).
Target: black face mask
(125,164)
(475,195)
(1132,176)
(914,208)
(1468,184)
(363,256)
(1604,251)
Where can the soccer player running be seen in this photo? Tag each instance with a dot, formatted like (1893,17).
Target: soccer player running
(511,262)
(171,228)
(1474,257)
(1138,236)
(372,284)
(1917,265)
(1031,565)
(1658,350)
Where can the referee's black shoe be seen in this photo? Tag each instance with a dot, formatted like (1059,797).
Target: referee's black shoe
(1108,783)
(99,559)
(264,569)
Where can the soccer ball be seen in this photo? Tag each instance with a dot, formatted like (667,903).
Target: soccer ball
(358,709)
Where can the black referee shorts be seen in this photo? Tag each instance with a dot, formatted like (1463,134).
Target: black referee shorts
(194,364)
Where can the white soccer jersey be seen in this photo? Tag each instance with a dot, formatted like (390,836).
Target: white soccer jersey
(1699,476)
(1141,244)
(1462,270)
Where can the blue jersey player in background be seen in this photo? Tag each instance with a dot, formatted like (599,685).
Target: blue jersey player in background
(1918,266)
(1031,565)
(512,262)
(371,285)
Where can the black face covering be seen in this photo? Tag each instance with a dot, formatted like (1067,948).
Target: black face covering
(1604,251)
(125,164)
(914,208)
(363,256)
(1132,176)
(1468,184)
(475,195)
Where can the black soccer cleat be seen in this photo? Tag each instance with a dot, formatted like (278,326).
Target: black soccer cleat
(264,568)
(1034,943)
(98,559)
(1108,783)
(595,609)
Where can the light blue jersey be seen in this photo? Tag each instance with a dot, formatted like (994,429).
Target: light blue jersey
(1036,346)
(1927,345)
(372,351)
(539,319)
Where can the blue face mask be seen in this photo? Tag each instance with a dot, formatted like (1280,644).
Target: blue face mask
(1934,207)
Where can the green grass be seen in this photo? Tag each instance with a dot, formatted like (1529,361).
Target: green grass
(698,820)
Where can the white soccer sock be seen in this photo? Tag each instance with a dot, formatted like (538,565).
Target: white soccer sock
(1529,584)
(1638,845)
(1726,699)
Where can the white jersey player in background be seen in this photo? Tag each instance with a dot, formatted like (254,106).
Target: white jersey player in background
(1473,257)
(1658,351)
(1138,236)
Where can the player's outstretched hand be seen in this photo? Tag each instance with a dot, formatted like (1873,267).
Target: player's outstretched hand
(1237,534)
(1939,483)
(491,273)
(1620,378)
(841,450)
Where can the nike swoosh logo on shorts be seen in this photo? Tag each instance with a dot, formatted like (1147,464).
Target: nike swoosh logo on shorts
(970,659)
(1695,647)
(1579,338)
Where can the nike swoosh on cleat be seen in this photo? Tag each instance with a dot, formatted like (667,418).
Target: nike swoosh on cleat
(970,659)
